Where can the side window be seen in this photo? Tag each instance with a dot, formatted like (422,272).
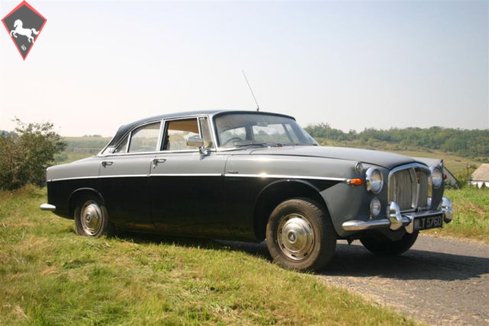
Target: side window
(121,148)
(177,133)
(145,138)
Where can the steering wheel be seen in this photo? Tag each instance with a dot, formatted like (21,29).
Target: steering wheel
(231,139)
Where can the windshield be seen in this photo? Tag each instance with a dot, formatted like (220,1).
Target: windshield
(252,129)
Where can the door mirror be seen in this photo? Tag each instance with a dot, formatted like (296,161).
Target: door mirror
(195,141)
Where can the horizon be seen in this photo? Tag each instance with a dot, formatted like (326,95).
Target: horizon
(352,65)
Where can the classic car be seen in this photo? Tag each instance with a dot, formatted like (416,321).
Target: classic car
(249,176)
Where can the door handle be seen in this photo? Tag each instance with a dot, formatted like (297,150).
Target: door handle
(158,160)
(105,163)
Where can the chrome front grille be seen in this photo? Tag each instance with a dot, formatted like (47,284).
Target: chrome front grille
(409,187)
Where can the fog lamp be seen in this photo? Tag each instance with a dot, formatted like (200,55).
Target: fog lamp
(375,207)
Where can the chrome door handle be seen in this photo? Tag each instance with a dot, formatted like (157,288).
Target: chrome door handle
(158,160)
(105,163)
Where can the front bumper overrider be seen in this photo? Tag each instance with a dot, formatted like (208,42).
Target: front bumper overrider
(395,219)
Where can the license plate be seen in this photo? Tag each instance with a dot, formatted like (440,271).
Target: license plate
(428,222)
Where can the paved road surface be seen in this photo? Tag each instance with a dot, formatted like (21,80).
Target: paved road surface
(439,281)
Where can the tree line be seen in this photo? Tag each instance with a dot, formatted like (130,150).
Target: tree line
(465,143)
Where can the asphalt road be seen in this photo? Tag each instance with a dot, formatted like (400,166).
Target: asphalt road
(439,281)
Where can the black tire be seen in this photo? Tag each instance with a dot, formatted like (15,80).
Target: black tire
(382,246)
(300,235)
(91,218)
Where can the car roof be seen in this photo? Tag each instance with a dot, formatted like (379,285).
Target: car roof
(123,130)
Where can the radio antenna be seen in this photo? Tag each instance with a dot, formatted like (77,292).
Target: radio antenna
(257,106)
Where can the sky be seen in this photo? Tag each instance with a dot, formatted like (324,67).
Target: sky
(352,64)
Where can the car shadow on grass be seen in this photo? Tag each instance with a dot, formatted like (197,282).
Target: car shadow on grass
(350,260)
(255,249)
(356,261)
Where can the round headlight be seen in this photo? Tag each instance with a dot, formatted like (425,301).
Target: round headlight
(375,207)
(375,180)
(436,176)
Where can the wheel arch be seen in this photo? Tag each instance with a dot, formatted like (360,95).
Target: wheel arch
(79,193)
(275,193)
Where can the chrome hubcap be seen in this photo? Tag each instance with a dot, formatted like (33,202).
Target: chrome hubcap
(91,218)
(295,236)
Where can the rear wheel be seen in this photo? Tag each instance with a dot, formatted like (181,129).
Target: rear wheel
(91,218)
(300,235)
(382,246)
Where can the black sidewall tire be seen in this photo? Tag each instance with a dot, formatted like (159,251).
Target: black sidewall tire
(107,227)
(383,247)
(324,234)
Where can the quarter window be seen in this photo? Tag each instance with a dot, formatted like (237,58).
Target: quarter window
(145,138)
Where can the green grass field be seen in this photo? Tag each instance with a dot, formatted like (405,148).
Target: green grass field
(50,276)
(471,215)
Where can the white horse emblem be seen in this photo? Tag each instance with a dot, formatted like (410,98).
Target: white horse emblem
(23,31)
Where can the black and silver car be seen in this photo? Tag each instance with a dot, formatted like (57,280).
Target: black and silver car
(249,176)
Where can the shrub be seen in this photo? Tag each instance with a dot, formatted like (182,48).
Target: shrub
(26,153)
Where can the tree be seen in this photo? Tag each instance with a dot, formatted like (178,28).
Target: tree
(26,153)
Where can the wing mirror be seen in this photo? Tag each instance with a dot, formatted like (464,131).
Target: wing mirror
(196,141)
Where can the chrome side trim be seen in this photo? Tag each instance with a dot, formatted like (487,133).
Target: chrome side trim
(73,178)
(47,207)
(228,175)
(143,176)
(185,175)
(282,176)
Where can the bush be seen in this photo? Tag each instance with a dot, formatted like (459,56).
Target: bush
(26,153)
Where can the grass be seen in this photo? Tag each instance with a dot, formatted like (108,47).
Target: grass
(50,276)
(471,214)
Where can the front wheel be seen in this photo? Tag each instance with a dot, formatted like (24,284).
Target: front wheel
(91,218)
(383,246)
(300,235)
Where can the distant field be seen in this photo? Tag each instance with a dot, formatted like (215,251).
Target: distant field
(50,276)
(81,147)
(456,164)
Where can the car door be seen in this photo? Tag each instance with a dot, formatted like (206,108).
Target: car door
(186,183)
(124,177)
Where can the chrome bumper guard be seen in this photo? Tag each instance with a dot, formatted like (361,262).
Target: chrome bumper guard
(47,207)
(395,219)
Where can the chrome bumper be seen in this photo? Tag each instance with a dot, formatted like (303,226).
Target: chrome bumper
(47,207)
(395,219)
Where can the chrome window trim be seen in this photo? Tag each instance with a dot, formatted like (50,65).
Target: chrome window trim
(196,117)
(128,145)
(128,134)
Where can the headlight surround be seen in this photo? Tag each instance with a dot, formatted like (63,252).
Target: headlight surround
(436,176)
(375,180)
